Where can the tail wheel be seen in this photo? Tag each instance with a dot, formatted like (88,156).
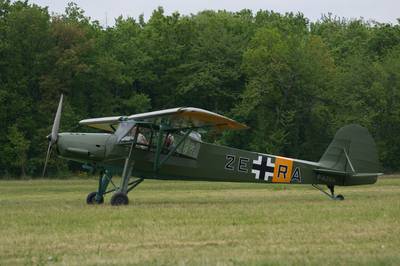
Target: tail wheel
(119,198)
(91,199)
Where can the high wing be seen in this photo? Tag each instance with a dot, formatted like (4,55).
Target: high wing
(181,117)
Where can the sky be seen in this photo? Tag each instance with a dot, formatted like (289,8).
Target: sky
(105,11)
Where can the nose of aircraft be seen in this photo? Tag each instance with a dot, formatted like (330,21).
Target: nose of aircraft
(82,146)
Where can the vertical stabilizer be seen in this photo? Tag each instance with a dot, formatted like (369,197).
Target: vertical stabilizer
(353,151)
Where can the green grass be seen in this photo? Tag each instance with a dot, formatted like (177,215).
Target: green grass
(199,223)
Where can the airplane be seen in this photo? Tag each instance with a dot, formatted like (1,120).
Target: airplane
(167,145)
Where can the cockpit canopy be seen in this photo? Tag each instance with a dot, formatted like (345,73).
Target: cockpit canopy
(145,137)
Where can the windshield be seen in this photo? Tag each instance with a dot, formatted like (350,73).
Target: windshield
(123,129)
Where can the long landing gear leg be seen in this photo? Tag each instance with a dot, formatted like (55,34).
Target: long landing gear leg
(118,198)
(97,197)
(331,190)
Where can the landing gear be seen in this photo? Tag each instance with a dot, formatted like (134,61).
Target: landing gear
(331,190)
(97,197)
(93,199)
(339,197)
(119,198)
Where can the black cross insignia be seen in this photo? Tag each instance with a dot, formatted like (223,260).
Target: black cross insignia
(263,168)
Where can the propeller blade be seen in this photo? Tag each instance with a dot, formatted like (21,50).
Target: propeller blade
(54,133)
(47,159)
(56,124)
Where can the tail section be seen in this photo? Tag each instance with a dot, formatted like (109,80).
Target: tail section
(353,155)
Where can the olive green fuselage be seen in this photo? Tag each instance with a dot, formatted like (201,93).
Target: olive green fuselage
(205,162)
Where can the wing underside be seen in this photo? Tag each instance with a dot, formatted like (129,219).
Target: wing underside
(183,117)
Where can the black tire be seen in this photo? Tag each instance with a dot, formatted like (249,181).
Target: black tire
(339,197)
(91,199)
(119,198)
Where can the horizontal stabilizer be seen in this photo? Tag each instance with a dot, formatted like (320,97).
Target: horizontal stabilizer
(329,172)
(367,174)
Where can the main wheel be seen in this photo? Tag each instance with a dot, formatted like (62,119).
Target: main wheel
(339,197)
(119,198)
(91,198)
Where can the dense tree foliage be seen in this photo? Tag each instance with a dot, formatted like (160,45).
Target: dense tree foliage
(294,82)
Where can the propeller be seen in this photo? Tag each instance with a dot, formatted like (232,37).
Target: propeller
(54,133)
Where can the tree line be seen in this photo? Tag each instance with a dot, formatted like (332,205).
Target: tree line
(293,81)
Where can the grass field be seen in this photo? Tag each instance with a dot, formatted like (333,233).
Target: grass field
(199,223)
